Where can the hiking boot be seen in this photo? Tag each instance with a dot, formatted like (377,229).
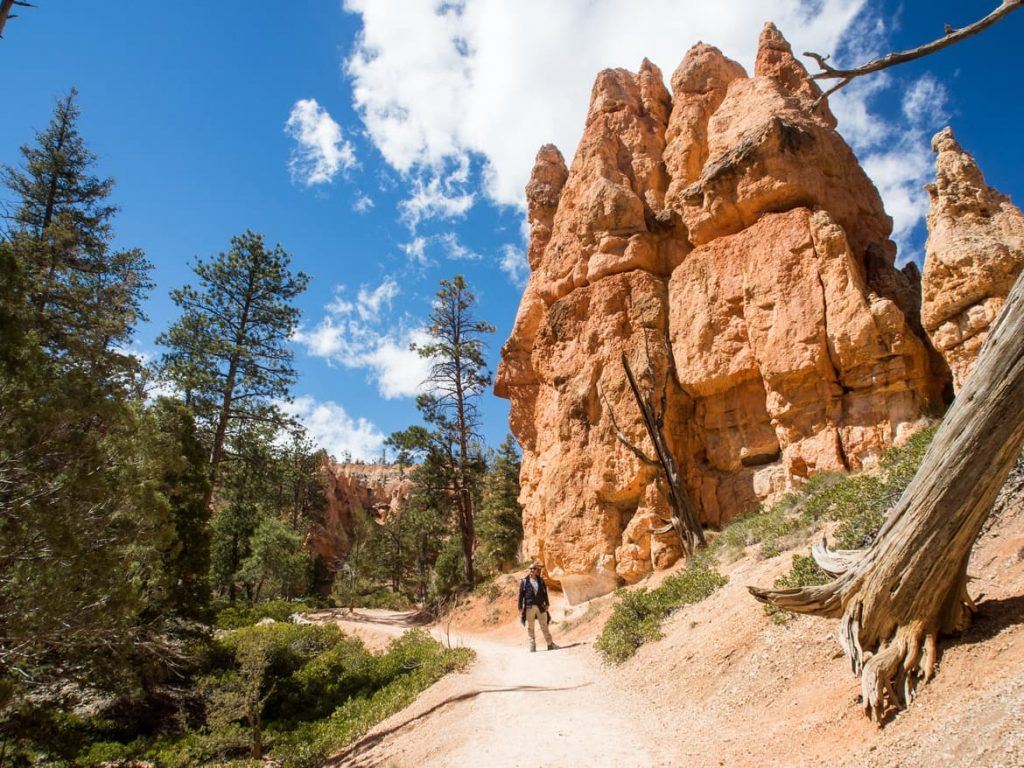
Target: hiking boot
(552,647)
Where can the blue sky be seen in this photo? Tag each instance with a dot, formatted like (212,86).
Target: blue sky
(385,143)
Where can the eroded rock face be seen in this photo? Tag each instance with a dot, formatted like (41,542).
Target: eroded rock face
(794,365)
(974,253)
(377,489)
(725,239)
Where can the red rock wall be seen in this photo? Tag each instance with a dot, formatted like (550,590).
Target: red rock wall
(728,230)
(376,489)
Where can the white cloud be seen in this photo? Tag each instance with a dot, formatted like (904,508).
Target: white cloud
(455,250)
(362,204)
(334,430)
(514,264)
(925,101)
(900,175)
(364,334)
(416,250)
(438,83)
(321,150)
(898,158)
(444,198)
(369,303)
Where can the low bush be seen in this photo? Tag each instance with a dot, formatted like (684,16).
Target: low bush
(803,573)
(636,618)
(859,503)
(311,690)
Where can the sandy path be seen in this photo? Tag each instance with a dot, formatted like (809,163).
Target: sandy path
(514,708)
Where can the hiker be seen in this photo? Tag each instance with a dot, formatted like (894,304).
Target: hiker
(533,606)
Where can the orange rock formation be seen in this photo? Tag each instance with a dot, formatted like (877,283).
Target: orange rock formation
(726,234)
(974,253)
(376,489)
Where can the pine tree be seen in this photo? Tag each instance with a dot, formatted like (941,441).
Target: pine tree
(458,378)
(228,351)
(183,482)
(86,296)
(501,517)
(83,522)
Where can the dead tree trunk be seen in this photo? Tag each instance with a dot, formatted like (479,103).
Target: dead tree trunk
(910,587)
(682,515)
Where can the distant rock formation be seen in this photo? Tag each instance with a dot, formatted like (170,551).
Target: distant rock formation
(975,251)
(724,231)
(377,489)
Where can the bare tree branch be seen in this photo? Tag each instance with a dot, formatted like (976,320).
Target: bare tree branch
(951,36)
(5,11)
(620,434)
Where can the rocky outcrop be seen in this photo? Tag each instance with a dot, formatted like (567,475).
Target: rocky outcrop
(975,251)
(378,490)
(725,239)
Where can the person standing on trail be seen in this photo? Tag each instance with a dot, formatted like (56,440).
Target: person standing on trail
(533,606)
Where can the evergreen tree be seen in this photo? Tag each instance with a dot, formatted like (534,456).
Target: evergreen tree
(501,517)
(83,522)
(228,351)
(183,482)
(86,296)
(458,378)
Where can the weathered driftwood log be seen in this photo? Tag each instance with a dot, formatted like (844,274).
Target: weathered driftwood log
(682,514)
(910,587)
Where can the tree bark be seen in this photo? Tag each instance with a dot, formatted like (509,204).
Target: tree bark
(910,587)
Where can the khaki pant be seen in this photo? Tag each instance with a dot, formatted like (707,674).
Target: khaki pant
(533,613)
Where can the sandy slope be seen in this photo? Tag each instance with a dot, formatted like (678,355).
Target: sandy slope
(727,686)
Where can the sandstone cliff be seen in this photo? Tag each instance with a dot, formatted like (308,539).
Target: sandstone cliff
(376,489)
(975,251)
(725,233)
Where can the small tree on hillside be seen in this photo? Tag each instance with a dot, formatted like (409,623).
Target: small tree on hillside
(457,379)
(501,517)
(228,352)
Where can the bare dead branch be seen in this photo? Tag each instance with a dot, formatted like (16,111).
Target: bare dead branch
(620,434)
(683,515)
(5,11)
(951,36)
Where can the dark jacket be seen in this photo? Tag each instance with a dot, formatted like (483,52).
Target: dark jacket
(528,597)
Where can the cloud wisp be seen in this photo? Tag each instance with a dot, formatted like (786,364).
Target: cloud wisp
(334,430)
(363,333)
(321,151)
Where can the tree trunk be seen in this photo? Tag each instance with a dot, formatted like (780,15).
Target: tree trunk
(910,587)
(682,515)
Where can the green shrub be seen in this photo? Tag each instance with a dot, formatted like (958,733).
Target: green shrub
(322,690)
(636,618)
(386,599)
(411,664)
(859,503)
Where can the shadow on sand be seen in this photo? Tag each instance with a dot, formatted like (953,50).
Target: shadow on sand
(366,743)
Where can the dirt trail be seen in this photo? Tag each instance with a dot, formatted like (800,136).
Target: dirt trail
(726,686)
(514,708)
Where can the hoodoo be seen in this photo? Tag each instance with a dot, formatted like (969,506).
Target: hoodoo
(975,251)
(724,231)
